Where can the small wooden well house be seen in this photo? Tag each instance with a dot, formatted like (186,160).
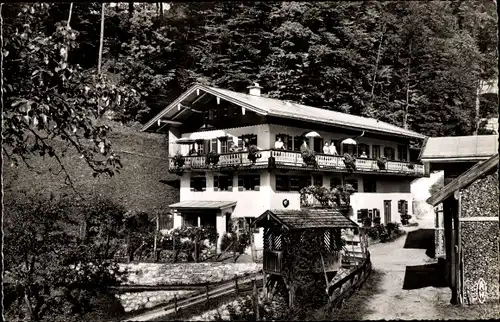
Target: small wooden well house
(285,230)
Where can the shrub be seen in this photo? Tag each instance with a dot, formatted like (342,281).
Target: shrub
(62,265)
(309,158)
(350,162)
(381,163)
(377,220)
(367,222)
(373,233)
(253,153)
(212,158)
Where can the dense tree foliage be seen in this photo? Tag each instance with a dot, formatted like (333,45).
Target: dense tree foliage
(51,271)
(415,64)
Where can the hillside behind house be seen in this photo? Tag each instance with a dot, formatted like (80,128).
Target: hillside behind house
(143,184)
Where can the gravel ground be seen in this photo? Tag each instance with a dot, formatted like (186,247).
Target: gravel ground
(394,291)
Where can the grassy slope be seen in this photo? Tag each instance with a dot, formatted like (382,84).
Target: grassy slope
(138,186)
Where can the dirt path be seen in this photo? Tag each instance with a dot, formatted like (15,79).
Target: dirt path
(405,284)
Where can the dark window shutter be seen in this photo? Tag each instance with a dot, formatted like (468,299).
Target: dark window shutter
(240,184)
(400,206)
(213,145)
(216,183)
(288,143)
(230,183)
(191,184)
(203,184)
(279,183)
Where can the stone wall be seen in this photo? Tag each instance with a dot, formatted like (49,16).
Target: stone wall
(480,241)
(186,273)
(133,301)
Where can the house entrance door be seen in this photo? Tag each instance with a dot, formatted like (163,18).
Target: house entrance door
(387,211)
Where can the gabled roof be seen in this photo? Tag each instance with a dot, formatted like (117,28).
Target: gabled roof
(283,109)
(460,148)
(464,180)
(307,218)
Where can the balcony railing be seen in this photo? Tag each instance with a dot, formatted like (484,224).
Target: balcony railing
(294,159)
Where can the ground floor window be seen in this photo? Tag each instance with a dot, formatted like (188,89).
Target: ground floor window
(292,183)
(369,185)
(198,184)
(245,225)
(353,183)
(223,183)
(317,180)
(334,182)
(249,182)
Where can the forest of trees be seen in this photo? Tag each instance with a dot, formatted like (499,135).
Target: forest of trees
(415,64)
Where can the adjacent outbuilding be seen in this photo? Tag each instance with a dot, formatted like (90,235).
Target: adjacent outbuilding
(471,233)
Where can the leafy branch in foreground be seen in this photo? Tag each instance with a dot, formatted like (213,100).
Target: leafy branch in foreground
(48,98)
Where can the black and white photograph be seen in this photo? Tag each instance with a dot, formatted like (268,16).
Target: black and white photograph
(250,161)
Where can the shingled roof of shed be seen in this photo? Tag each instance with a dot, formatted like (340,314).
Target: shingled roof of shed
(464,180)
(307,218)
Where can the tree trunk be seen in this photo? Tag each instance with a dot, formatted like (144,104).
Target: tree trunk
(379,52)
(161,12)
(29,305)
(130,10)
(478,103)
(101,42)
(70,12)
(405,112)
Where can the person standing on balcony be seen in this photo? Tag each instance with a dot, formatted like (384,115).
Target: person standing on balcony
(279,144)
(303,147)
(333,149)
(363,155)
(246,144)
(233,147)
(326,148)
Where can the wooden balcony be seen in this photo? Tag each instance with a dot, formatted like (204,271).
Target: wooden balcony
(293,160)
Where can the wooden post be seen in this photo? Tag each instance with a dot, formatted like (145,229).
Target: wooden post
(291,295)
(265,286)
(324,271)
(256,299)
(196,257)
(175,304)
(129,255)
(155,252)
(236,285)
(206,290)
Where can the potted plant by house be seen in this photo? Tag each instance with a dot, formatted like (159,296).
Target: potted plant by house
(212,158)
(178,161)
(381,162)
(411,166)
(253,153)
(350,162)
(309,158)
